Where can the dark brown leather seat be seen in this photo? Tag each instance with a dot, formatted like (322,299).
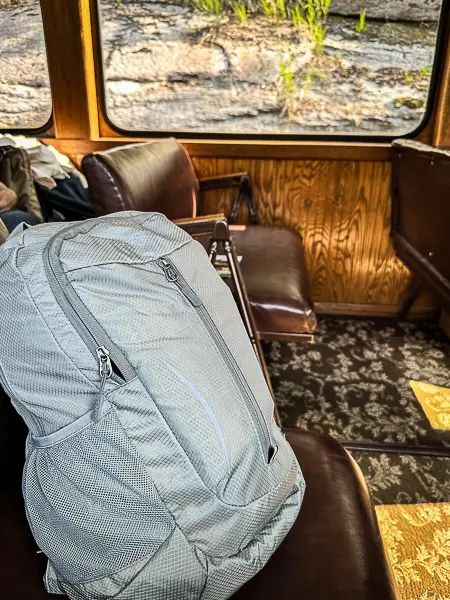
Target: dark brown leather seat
(279,296)
(160,176)
(333,552)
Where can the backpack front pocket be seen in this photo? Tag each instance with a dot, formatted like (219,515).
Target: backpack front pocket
(90,502)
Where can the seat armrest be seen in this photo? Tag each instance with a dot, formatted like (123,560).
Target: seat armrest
(245,190)
(221,181)
(200,225)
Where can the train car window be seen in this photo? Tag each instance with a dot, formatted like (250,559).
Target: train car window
(269,67)
(25,98)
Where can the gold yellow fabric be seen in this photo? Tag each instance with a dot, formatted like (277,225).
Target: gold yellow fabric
(435,402)
(417,540)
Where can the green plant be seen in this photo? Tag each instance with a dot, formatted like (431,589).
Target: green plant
(362,22)
(268,7)
(420,78)
(316,12)
(240,10)
(286,74)
(318,34)
(297,16)
(210,7)
(275,9)
(408,78)
(317,9)
(409,102)
(308,81)
(311,74)
(281,9)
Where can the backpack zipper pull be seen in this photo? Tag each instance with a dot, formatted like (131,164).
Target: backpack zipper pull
(169,271)
(105,368)
(173,276)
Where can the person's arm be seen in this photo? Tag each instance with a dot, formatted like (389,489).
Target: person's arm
(8,198)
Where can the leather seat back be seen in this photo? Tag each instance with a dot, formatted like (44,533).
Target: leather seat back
(156,176)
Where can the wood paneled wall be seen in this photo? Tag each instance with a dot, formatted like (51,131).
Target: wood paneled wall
(342,210)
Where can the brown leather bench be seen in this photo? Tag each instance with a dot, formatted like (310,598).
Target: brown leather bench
(333,552)
(421,217)
(159,176)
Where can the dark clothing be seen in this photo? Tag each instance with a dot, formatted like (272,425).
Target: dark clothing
(12,218)
(68,201)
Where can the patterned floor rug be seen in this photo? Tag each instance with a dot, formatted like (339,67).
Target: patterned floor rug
(404,478)
(417,541)
(353,383)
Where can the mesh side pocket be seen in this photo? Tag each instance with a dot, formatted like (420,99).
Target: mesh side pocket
(91,506)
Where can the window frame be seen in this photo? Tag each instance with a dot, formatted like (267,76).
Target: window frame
(35,132)
(363,137)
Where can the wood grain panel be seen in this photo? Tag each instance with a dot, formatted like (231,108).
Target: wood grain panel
(243,149)
(441,134)
(76,159)
(342,211)
(68,39)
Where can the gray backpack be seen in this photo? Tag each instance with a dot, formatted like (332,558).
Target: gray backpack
(154,468)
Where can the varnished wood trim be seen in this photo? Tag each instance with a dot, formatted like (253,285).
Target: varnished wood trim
(371,310)
(243,149)
(286,337)
(68,39)
(441,134)
(87,30)
(94,12)
(106,131)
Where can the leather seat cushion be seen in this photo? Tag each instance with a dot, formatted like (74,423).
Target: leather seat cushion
(276,278)
(332,552)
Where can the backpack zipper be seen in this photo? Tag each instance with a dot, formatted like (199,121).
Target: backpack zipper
(106,371)
(112,362)
(174,276)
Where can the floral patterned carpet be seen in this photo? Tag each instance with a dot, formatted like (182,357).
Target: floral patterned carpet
(353,383)
(404,478)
